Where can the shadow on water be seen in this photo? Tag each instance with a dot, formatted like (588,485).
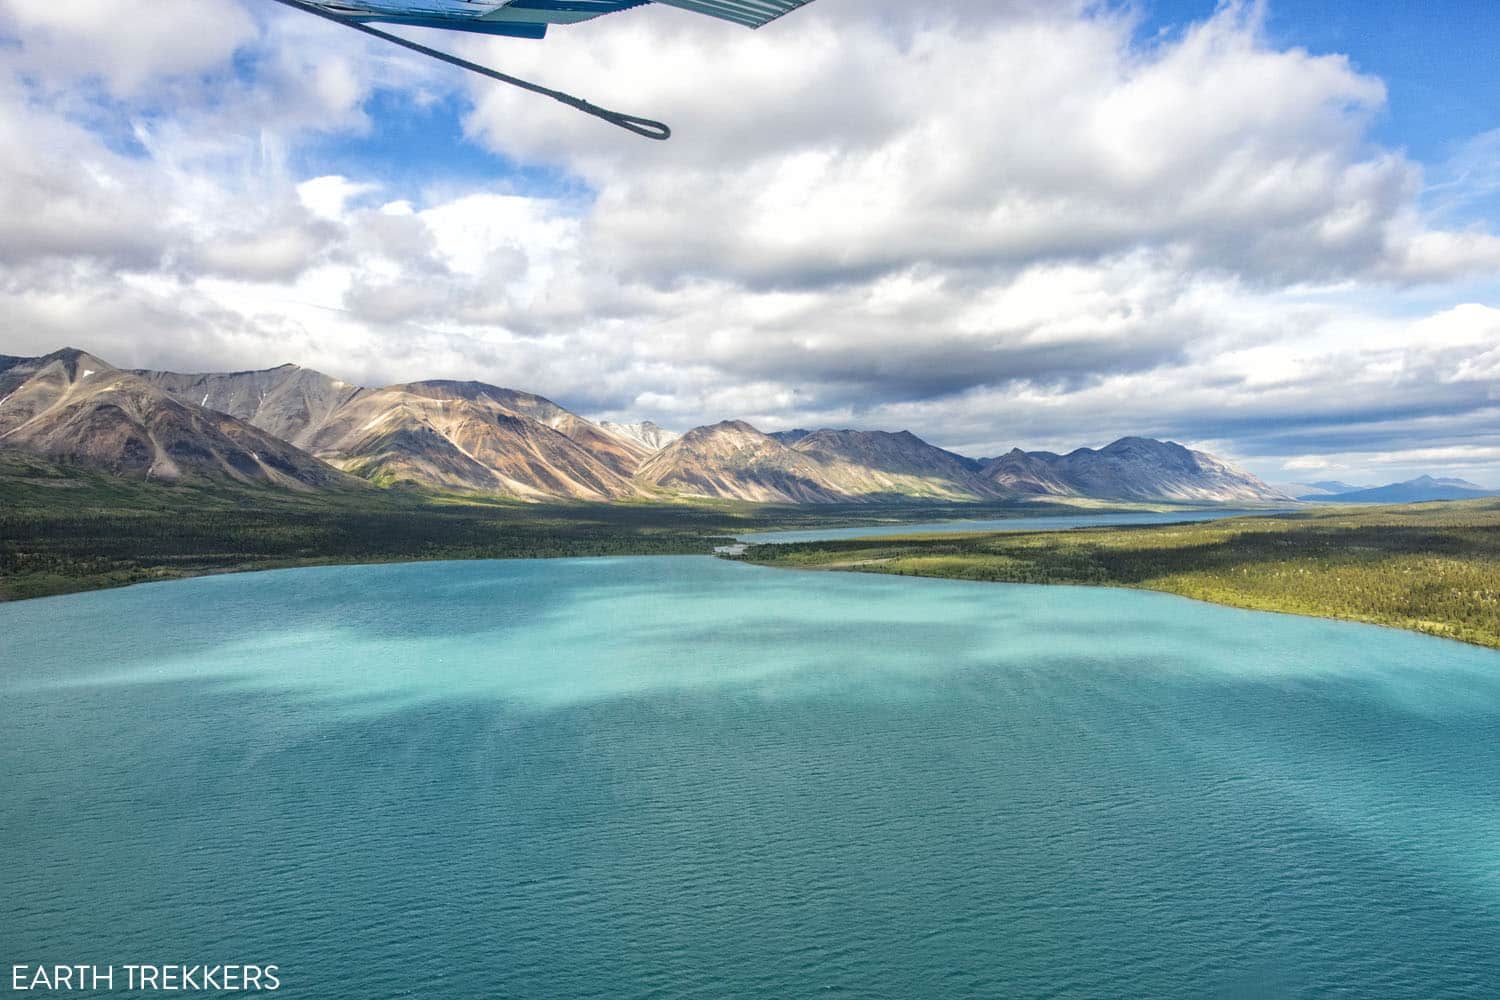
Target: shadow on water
(574,631)
(1095,823)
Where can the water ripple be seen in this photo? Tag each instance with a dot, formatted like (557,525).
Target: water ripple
(682,778)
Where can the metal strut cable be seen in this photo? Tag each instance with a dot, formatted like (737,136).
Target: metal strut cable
(640,126)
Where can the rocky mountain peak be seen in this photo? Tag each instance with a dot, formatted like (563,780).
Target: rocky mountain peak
(75,362)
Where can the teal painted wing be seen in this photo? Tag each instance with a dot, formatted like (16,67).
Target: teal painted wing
(530,18)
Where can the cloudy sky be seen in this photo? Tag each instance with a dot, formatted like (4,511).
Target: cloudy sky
(1257,229)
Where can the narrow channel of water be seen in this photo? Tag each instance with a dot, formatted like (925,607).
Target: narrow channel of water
(1051,522)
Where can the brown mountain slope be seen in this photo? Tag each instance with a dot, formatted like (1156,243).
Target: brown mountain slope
(334,419)
(870,463)
(1025,473)
(733,460)
(1136,468)
(619,453)
(458,436)
(72,406)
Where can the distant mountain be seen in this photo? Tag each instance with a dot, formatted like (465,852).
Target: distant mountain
(1028,473)
(290,402)
(1136,468)
(790,437)
(732,460)
(876,463)
(468,436)
(1419,490)
(645,433)
(1131,468)
(72,406)
(622,455)
(402,433)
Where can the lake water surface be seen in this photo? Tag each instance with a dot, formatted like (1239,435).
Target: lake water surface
(1030,522)
(684,777)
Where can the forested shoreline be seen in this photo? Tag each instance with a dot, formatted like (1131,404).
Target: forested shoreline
(1431,567)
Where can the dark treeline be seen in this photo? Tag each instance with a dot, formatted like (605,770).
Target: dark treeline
(63,530)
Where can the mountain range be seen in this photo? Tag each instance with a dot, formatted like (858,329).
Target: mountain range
(301,429)
(1418,490)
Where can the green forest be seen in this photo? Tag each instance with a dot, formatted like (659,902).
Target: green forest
(1432,567)
(65,529)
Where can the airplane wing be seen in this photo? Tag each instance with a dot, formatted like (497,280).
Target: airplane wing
(525,19)
(530,18)
(750,13)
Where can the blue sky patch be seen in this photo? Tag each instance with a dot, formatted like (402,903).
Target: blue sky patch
(418,145)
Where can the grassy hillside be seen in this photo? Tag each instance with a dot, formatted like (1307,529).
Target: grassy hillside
(1431,568)
(63,529)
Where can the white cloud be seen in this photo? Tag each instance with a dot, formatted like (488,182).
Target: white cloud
(263,254)
(326,197)
(836,147)
(1310,463)
(127,43)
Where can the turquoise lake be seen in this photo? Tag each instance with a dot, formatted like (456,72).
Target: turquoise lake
(684,777)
